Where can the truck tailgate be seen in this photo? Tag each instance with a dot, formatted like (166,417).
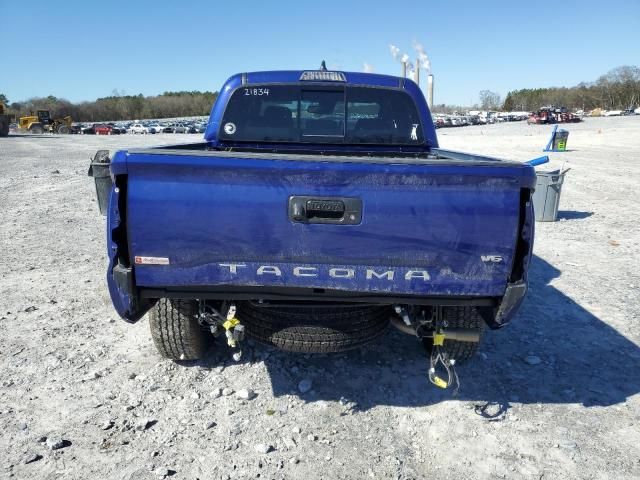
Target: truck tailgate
(427,227)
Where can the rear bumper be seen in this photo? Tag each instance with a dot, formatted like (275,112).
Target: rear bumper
(504,308)
(136,301)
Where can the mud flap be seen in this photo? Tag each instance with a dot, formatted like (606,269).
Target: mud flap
(510,304)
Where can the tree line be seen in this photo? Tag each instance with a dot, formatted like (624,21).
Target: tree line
(616,90)
(119,107)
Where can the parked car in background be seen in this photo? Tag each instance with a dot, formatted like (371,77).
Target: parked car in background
(138,128)
(95,129)
(102,129)
(552,115)
(115,129)
(180,128)
(154,128)
(175,128)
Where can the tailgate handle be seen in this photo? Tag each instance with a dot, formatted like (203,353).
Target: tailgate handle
(325,208)
(332,210)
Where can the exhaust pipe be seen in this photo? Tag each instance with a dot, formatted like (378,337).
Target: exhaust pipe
(417,74)
(404,69)
(470,335)
(403,327)
(430,91)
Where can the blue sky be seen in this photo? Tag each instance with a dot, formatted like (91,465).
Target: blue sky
(87,49)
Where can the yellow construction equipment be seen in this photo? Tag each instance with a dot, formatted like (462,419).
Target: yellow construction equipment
(4,121)
(61,125)
(42,122)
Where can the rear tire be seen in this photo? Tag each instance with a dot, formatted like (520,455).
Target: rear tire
(314,329)
(4,129)
(36,129)
(176,332)
(63,130)
(459,317)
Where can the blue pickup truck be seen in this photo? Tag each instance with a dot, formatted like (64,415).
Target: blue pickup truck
(317,211)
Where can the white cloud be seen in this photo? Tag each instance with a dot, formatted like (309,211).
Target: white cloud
(395,51)
(423,59)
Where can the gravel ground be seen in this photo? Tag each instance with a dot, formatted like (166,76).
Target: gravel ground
(553,396)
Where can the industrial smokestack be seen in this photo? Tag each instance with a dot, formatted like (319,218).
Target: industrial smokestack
(417,73)
(406,65)
(430,91)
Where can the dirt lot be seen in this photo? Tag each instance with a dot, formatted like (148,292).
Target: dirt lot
(75,376)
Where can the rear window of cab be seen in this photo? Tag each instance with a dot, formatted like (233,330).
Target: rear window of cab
(321,114)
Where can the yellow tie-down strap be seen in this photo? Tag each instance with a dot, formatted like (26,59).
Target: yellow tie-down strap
(438,339)
(438,382)
(229,324)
